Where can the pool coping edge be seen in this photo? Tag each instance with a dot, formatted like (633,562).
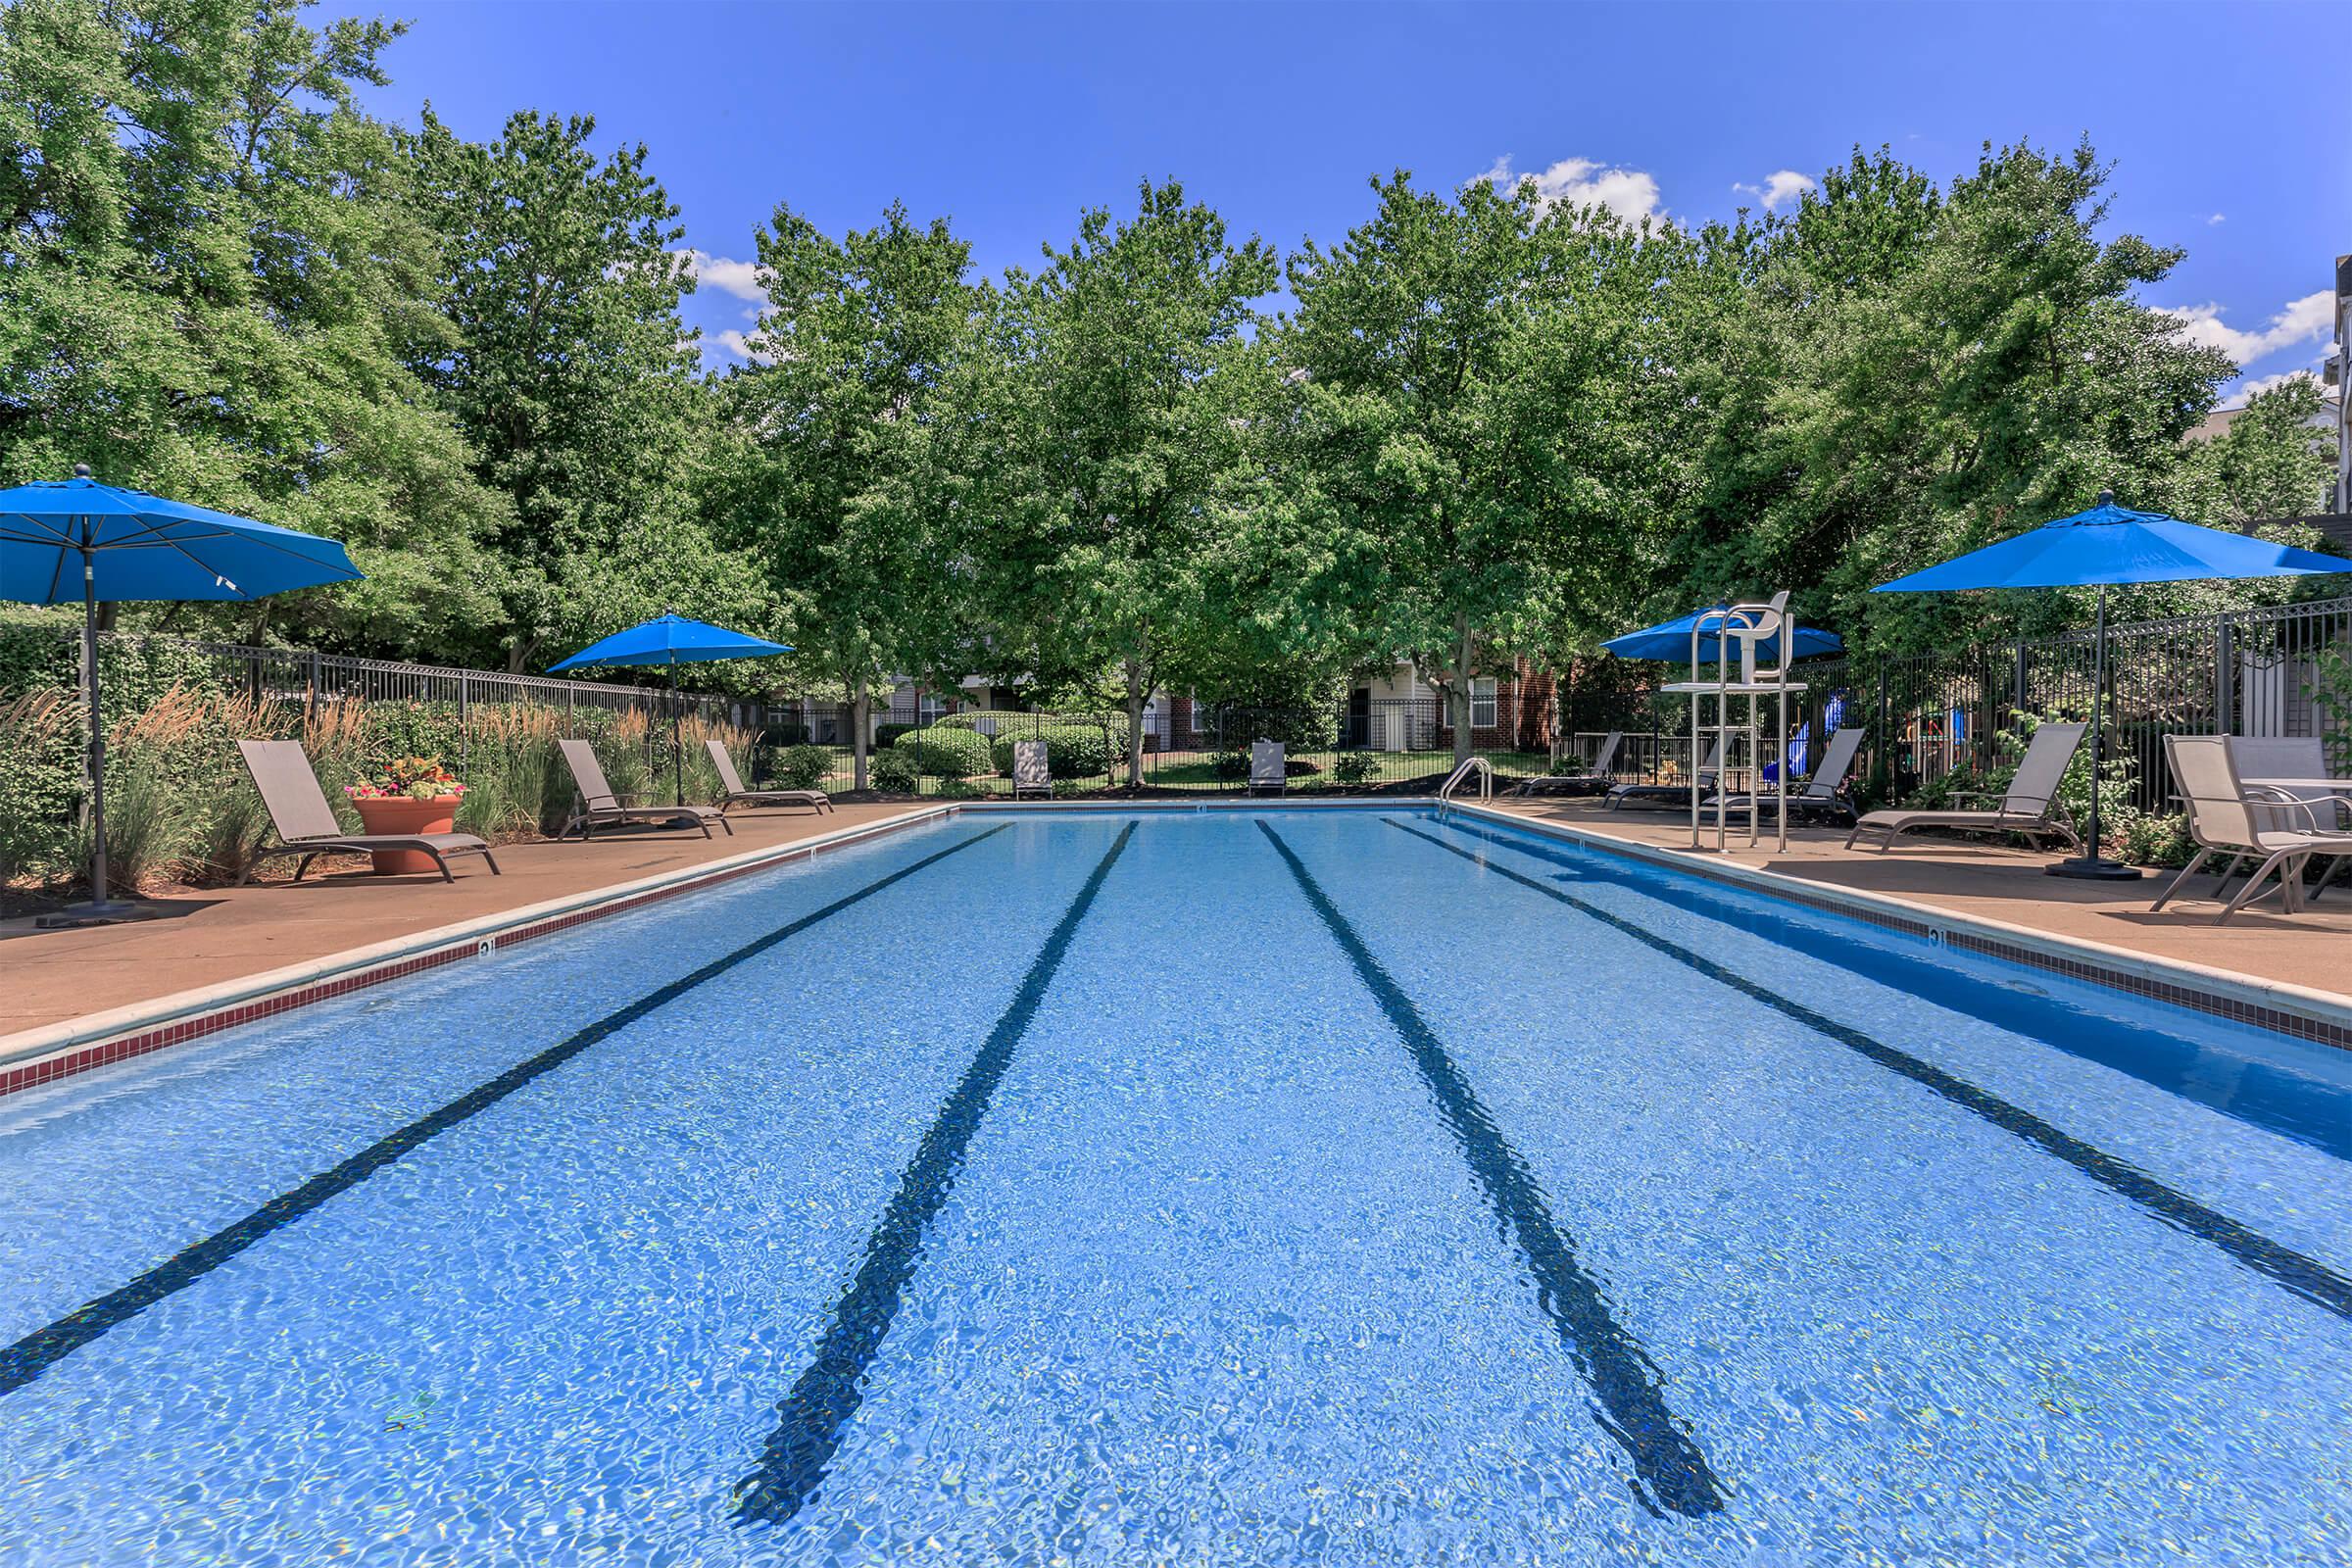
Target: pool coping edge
(2280,1007)
(50,1051)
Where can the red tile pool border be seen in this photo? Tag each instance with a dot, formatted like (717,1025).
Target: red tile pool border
(93,1055)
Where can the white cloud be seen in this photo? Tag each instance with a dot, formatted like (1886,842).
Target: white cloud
(2217,218)
(2239,396)
(2311,316)
(1630,193)
(1779,188)
(731,344)
(739,278)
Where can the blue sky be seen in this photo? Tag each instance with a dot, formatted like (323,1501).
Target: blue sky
(1011,118)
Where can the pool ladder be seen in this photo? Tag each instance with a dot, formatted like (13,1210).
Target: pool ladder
(1468,766)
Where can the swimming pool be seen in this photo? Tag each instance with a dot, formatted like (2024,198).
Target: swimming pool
(1256,1186)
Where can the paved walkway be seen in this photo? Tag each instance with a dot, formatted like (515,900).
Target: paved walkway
(2312,949)
(207,938)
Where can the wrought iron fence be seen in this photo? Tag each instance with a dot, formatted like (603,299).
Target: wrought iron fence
(2247,673)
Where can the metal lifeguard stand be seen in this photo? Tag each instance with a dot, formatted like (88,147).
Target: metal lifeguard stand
(1735,703)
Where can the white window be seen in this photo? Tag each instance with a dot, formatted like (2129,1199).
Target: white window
(1482,704)
(935,708)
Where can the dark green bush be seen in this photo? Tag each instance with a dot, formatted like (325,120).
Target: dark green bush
(887,735)
(1354,767)
(803,768)
(1073,751)
(892,771)
(945,752)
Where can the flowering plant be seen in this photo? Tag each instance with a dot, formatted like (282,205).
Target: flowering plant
(418,778)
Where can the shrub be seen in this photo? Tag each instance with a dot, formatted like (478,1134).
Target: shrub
(1073,751)
(787,732)
(945,752)
(892,771)
(802,767)
(2153,840)
(887,735)
(1355,767)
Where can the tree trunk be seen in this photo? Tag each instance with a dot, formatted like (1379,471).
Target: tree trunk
(860,732)
(1135,725)
(1457,697)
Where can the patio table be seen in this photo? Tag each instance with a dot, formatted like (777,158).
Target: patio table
(2340,784)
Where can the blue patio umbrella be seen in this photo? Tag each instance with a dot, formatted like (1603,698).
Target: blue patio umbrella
(2108,545)
(672,640)
(66,539)
(1672,640)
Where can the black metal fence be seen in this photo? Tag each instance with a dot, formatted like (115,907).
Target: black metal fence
(2249,672)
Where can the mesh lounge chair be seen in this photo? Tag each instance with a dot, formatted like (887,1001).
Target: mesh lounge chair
(1030,773)
(598,807)
(1823,796)
(1266,772)
(2293,756)
(816,800)
(2026,809)
(1670,795)
(306,824)
(1593,781)
(2228,817)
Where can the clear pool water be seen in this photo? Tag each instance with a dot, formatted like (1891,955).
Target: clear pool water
(1187,1188)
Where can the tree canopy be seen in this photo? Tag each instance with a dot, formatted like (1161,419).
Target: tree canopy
(1483,427)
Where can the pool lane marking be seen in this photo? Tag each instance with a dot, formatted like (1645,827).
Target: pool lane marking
(2301,1275)
(813,1417)
(1625,1381)
(36,1353)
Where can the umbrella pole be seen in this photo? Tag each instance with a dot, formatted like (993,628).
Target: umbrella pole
(677,758)
(99,907)
(2090,866)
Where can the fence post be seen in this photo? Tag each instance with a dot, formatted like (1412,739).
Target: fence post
(310,701)
(2019,705)
(2225,677)
(464,728)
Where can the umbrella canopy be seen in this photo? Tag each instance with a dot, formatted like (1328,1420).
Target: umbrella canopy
(672,640)
(1672,640)
(2111,543)
(2100,546)
(140,546)
(66,539)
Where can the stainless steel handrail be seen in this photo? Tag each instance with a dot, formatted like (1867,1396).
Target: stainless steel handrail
(1462,769)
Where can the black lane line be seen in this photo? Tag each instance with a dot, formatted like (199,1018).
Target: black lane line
(2301,1275)
(1625,1381)
(812,1418)
(44,1348)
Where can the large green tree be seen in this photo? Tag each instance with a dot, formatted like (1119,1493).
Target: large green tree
(1130,349)
(212,266)
(559,350)
(1477,377)
(829,491)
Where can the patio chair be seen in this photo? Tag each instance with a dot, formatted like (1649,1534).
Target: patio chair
(2027,807)
(598,807)
(817,801)
(1030,774)
(1670,795)
(2293,756)
(2228,817)
(1596,781)
(1266,771)
(1823,796)
(306,824)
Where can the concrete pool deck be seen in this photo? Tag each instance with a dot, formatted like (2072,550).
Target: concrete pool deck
(66,988)
(2312,949)
(220,935)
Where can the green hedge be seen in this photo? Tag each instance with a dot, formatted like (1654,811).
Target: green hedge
(1073,751)
(802,767)
(944,751)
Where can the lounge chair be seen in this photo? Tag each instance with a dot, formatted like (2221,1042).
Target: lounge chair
(1030,773)
(1595,780)
(598,807)
(2228,817)
(1266,772)
(2027,808)
(1824,796)
(816,800)
(1670,795)
(306,824)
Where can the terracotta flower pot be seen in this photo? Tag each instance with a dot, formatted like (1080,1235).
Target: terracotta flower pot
(398,813)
